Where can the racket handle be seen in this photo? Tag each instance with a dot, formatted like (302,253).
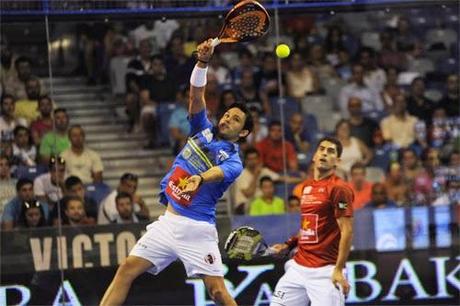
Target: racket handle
(215,42)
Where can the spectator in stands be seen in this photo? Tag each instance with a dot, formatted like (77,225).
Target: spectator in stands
(297,134)
(360,186)
(27,108)
(16,85)
(118,68)
(399,127)
(247,186)
(389,56)
(57,141)
(451,195)
(8,120)
(7,184)
(318,64)
(246,63)
(361,127)
(247,92)
(177,63)
(293,204)
(24,151)
(138,68)
(44,123)
(379,197)
(417,104)
(157,87)
(374,77)
(218,68)
(144,33)
(125,209)
(371,100)
(259,132)
(451,100)
(108,209)
(7,69)
(333,43)
(271,150)
(80,160)
(267,80)
(397,187)
(354,150)
(32,215)
(49,187)
(179,126)
(423,192)
(267,203)
(227,98)
(404,36)
(74,187)
(384,151)
(410,164)
(75,212)
(12,211)
(300,79)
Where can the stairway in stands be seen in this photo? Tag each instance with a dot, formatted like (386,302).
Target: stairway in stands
(105,125)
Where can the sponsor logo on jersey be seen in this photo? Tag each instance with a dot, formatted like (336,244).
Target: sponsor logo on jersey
(307,190)
(222,155)
(309,228)
(210,258)
(186,153)
(207,135)
(343,205)
(176,184)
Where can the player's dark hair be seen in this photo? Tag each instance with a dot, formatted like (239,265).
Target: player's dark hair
(335,141)
(293,197)
(21,59)
(248,122)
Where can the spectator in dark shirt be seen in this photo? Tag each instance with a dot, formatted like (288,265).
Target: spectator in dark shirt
(75,212)
(32,215)
(297,134)
(451,100)
(417,104)
(156,88)
(178,65)
(361,127)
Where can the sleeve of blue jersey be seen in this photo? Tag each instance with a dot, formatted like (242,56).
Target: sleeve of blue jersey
(199,122)
(231,168)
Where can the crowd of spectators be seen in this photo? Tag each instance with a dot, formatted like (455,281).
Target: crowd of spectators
(394,87)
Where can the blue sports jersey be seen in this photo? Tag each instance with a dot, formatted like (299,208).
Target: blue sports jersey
(202,151)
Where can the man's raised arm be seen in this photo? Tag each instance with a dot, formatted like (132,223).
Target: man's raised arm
(198,78)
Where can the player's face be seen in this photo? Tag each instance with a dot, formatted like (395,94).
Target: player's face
(75,211)
(326,157)
(231,124)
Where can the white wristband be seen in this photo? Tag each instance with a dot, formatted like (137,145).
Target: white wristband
(198,77)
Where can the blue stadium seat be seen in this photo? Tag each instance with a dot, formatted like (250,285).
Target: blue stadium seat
(30,172)
(97,191)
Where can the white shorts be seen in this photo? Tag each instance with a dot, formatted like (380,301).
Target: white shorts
(173,237)
(301,285)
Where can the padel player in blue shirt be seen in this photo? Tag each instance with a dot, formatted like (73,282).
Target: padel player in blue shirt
(203,170)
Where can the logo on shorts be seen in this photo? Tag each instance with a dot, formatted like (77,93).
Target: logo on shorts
(210,258)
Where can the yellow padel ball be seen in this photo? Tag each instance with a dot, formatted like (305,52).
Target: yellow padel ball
(282,50)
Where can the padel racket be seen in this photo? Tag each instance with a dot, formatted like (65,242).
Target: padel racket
(246,243)
(246,21)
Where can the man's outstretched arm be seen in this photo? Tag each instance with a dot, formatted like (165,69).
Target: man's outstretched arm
(198,78)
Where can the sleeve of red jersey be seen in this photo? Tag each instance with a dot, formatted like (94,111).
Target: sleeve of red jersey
(342,199)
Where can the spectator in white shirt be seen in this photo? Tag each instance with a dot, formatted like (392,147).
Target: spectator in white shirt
(371,99)
(49,186)
(125,208)
(8,121)
(80,160)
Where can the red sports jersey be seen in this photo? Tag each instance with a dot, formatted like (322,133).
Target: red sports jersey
(321,203)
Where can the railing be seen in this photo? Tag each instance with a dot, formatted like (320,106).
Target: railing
(184,7)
